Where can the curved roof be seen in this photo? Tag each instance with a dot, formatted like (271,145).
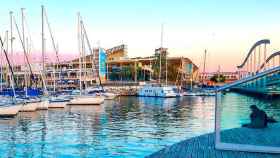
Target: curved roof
(264,41)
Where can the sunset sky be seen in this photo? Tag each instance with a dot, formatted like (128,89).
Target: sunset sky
(227,29)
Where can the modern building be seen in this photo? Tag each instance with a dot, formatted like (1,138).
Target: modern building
(112,66)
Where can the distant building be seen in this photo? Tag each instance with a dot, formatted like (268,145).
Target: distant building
(229,76)
(112,66)
(117,53)
(180,69)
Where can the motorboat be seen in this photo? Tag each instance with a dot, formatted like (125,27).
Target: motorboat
(60,98)
(156,90)
(108,95)
(98,91)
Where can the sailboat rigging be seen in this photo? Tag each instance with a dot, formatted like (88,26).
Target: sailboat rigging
(92,53)
(10,66)
(24,51)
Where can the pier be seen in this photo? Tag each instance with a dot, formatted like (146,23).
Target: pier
(204,146)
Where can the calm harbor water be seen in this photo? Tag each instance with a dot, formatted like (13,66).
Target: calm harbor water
(125,127)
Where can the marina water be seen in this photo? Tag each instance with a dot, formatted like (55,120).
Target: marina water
(124,127)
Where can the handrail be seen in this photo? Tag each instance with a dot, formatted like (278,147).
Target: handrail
(264,41)
(248,79)
(268,59)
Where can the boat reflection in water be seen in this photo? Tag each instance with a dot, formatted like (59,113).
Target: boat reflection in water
(124,127)
(158,102)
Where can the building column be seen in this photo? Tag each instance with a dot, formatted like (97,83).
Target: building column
(135,72)
(107,71)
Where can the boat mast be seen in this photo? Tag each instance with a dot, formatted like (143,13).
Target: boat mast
(79,50)
(165,53)
(43,41)
(204,65)
(11,36)
(56,68)
(7,49)
(160,52)
(23,43)
(1,70)
(92,51)
(12,79)
(24,49)
(55,46)
(83,58)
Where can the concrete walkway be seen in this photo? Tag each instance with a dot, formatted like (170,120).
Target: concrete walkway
(203,147)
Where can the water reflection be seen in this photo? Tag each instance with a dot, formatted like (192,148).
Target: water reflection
(125,127)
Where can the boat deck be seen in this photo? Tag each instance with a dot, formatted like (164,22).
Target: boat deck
(203,146)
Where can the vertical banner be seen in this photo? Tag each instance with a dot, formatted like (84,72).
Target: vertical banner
(102,64)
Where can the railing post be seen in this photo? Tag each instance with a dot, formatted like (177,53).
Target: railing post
(259,60)
(254,62)
(264,56)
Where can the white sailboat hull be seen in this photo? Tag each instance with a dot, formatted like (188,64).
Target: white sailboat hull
(86,100)
(10,111)
(109,96)
(43,105)
(29,107)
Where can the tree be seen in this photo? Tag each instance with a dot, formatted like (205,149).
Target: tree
(218,78)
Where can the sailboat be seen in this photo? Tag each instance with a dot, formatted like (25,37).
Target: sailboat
(57,101)
(12,108)
(31,104)
(159,90)
(201,91)
(84,99)
(99,90)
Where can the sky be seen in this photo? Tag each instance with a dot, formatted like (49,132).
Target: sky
(227,29)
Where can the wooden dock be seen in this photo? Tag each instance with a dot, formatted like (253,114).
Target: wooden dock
(203,146)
